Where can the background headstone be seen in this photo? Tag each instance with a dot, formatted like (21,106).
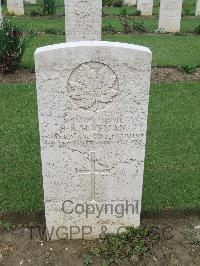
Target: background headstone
(170,15)
(83,20)
(198,8)
(130,2)
(1,14)
(93,108)
(145,6)
(15,6)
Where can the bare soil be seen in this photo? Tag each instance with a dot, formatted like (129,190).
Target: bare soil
(179,244)
(168,75)
(21,76)
(158,75)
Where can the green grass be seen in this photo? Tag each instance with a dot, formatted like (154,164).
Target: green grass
(41,24)
(172,169)
(172,166)
(20,170)
(151,24)
(167,50)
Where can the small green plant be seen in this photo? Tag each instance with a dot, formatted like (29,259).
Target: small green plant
(13,44)
(5,225)
(197,29)
(34,13)
(138,26)
(108,28)
(51,31)
(9,14)
(87,259)
(186,11)
(49,7)
(107,2)
(125,26)
(188,69)
(118,3)
(127,245)
(131,25)
(137,13)
(123,12)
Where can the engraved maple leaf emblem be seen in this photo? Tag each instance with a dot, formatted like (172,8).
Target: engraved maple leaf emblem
(92,86)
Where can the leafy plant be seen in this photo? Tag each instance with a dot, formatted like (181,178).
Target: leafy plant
(34,13)
(188,69)
(51,31)
(9,14)
(130,26)
(197,29)
(107,2)
(13,45)
(123,12)
(87,259)
(108,28)
(127,245)
(118,3)
(138,13)
(5,225)
(49,7)
(187,11)
(138,26)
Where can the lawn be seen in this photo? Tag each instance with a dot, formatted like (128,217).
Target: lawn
(168,50)
(42,24)
(172,166)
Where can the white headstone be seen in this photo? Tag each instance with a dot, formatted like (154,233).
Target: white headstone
(145,6)
(170,15)
(198,8)
(93,108)
(1,14)
(83,20)
(15,6)
(130,2)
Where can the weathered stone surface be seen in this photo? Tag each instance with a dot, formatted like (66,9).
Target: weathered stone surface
(145,6)
(130,2)
(93,107)
(1,15)
(198,8)
(16,6)
(83,20)
(170,15)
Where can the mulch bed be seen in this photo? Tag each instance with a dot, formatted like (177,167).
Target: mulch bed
(178,245)
(158,75)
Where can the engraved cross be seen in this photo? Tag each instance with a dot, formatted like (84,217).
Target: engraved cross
(93,172)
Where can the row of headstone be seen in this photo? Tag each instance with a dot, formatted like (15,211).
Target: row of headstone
(17,6)
(145,6)
(130,2)
(93,107)
(198,8)
(170,15)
